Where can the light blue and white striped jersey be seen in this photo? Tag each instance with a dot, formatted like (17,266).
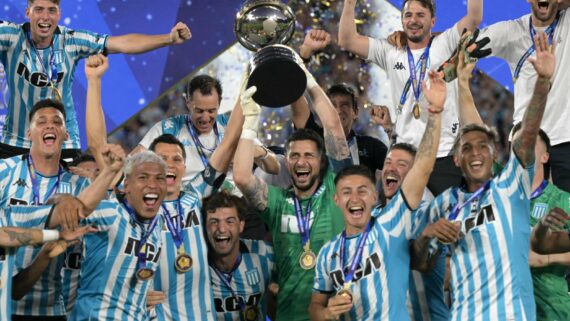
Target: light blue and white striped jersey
(189,295)
(24,217)
(178,127)
(28,81)
(490,275)
(426,295)
(108,286)
(44,299)
(249,282)
(381,278)
(72,259)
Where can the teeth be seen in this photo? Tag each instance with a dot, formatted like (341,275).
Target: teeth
(356,208)
(48,136)
(44,25)
(476,163)
(151,196)
(170,174)
(222,238)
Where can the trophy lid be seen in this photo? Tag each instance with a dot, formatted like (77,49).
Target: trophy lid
(260,23)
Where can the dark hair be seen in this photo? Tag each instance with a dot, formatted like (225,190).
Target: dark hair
(345,90)
(545,139)
(490,132)
(167,139)
(359,170)
(46,103)
(309,134)
(82,158)
(56,2)
(411,149)
(223,199)
(429,4)
(205,84)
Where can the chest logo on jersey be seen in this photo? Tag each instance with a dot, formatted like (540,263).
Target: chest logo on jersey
(192,220)
(38,79)
(399,66)
(152,252)
(231,303)
(539,210)
(252,277)
(20,183)
(15,201)
(484,216)
(371,264)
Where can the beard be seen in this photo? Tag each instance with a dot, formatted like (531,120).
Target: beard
(308,186)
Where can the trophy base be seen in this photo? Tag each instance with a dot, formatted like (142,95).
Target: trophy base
(279,78)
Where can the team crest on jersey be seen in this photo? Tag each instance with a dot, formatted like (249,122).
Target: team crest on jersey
(64,188)
(539,210)
(58,56)
(252,277)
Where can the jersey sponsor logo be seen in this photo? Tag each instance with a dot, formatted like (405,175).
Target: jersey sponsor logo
(72,260)
(539,210)
(371,264)
(152,252)
(38,79)
(15,201)
(21,183)
(252,277)
(485,216)
(231,303)
(289,223)
(399,66)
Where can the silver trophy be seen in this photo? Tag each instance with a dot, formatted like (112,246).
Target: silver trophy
(265,26)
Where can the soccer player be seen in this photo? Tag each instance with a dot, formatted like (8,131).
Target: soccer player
(486,220)
(40,58)
(240,269)
(303,218)
(512,41)
(363,272)
(407,67)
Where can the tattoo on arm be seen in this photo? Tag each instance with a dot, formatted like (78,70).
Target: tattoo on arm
(336,146)
(257,193)
(426,145)
(24,238)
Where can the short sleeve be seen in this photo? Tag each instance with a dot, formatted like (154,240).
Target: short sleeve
(8,36)
(322,282)
(104,216)
(151,135)
(28,216)
(377,51)
(85,43)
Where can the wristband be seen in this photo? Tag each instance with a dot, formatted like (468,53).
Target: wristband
(50,235)
(247,133)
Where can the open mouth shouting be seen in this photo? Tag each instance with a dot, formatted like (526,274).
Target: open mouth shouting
(44,27)
(49,139)
(356,211)
(476,165)
(170,178)
(150,199)
(303,174)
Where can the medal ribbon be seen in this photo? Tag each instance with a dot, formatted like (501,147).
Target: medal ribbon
(141,262)
(539,190)
(175,230)
(199,147)
(303,220)
(549,31)
(52,64)
(457,208)
(357,256)
(36,184)
(226,279)
(412,81)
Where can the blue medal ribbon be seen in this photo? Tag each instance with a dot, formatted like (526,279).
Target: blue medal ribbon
(539,190)
(549,31)
(226,279)
(36,184)
(52,64)
(412,81)
(141,256)
(199,147)
(357,256)
(457,208)
(175,230)
(303,220)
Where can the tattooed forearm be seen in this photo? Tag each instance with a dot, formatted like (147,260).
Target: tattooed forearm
(523,145)
(256,193)
(336,146)
(19,237)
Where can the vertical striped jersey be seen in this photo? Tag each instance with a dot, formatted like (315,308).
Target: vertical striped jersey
(490,275)
(16,187)
(249,282)
(29,72)
(108,286)
(24,217)
(381,278)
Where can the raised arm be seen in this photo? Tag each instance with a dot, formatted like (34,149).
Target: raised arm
(468,113)
(335,140)
(348,37)
(139,43)
(416,180)
(473,17)
(95,126)
(544,64)
(253,188)
(224,153)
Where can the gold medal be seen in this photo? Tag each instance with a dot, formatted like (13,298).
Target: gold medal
(144,274)
(250,313)
(416,111)
(56,92)
(345,292)
(308,259)
(183,262)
